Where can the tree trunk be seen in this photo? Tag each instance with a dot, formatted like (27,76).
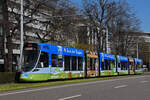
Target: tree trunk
(7,58)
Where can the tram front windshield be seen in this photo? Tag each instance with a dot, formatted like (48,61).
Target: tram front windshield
(30,59)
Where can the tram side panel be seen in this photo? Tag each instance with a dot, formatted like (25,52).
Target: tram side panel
(73,63)
(107,64)
(138,66)
(92,62)
(122,65)
(131,66)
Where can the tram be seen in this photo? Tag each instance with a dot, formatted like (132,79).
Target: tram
(42,62)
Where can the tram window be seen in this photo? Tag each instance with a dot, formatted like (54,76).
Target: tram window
(74,63)
(107,64)
(103,67)
(109,61)
(124,66)
(60,61)
(113,63)
(118,65)
(44,59)
(54,60)
(80,63)
(67,63)
(91,63)
(138,66)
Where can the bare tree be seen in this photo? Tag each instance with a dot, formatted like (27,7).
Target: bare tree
(61,26)
(117,18)
(12,15)
(6,34)
(124,29)
(99,14)
(56,21)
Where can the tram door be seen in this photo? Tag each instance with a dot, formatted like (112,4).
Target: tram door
(92,65)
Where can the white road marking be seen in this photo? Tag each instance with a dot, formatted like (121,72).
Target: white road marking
(121,86)
(69,85)
(143,81)
(70,97)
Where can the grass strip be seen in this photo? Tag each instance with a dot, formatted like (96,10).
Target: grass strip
(17,86)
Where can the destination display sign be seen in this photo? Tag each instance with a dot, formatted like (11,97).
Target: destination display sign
(30,46)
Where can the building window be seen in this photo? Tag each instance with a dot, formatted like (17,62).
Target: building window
(1,30)
(1,15)
(1,6)
(1,54)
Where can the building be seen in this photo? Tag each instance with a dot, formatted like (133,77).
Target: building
(1,33)
(31,28)
(146,36)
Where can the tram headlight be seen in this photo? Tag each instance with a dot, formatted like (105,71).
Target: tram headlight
(25,75)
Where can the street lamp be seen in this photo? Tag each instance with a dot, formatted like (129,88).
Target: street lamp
(107,40)
(21,36)
(137,49)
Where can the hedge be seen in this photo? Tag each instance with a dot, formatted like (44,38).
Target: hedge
(7,77)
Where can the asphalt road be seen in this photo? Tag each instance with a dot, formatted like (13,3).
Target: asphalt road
(132,88)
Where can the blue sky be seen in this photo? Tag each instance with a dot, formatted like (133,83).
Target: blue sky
(142,10)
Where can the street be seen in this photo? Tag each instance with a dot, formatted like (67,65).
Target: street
(131,88)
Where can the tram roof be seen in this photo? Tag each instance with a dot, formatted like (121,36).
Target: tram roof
(138,60)
(107,56)
(61,50)
(122,58)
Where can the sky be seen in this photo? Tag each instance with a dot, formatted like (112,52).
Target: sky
(142,10)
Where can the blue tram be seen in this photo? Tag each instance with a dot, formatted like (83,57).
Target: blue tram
(44,61)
